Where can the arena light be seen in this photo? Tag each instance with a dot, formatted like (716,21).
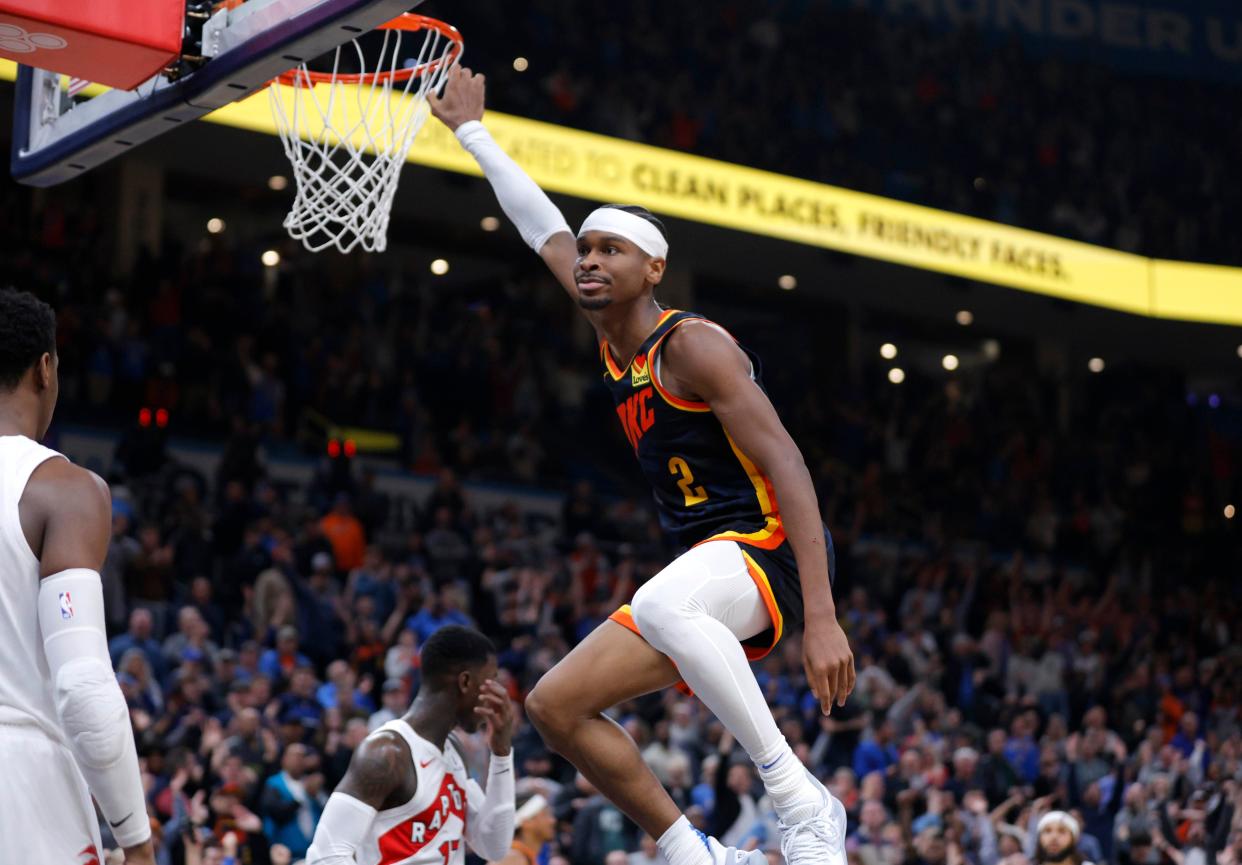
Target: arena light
(888,351)
(1214,400)
(440,267)
(161,417)
(1240,351)
(965,317)
(788,281)
(520,64)
(277,182)
(991,349)
(1096,364)
(1229,512)
(270,258)
(334,448)
(215,225)
(896,375)
(949,362)
(489,223)
(144,417)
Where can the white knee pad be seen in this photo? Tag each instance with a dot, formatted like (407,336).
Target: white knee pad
(92,711)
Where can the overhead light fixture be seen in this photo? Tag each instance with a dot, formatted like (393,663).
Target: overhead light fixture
(991,349)
(270,258)
(439,267)
(520,64)
(888,351)
(965,317)
(788,282)
(489,223)
(949,362)
(896,375)
(1229,512)
(215,225)
(1096,364)
(277,182)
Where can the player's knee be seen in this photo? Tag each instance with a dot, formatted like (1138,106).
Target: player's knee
(92,711)
(659,616)
(550,710)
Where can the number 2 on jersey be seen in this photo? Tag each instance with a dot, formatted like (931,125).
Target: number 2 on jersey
(694,495)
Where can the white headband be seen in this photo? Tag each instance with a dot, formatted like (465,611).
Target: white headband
(635,229)
(534,805)
(1058,817)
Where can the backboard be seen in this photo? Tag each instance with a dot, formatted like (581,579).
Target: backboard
(56,138)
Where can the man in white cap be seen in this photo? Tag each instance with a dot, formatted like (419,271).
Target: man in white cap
(1056,840)
(535,826)
(691,403)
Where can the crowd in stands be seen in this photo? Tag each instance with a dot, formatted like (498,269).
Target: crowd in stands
(951,118)
(258,638)
(1035,576)
(1037,580)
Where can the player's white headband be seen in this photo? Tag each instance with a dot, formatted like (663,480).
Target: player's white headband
(1058,817)
(533,807)
(635,229)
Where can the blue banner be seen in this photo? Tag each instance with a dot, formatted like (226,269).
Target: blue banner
(1193,38)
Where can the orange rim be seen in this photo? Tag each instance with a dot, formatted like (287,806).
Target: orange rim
(408,22)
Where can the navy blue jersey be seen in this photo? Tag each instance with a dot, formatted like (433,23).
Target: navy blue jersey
(705,487)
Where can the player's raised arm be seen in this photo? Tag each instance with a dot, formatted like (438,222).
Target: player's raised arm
(489,829)
(68,509)
(378,768)
(537,219)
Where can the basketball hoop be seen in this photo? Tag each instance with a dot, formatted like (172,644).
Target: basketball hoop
(347,134)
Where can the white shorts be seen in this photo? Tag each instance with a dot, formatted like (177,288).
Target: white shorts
(46,813)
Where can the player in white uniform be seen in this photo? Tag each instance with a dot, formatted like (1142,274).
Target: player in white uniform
(64,726)
(406,798)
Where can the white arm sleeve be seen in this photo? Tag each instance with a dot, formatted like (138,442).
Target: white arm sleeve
(526,205)
(342,830)
(92,710)
(489,816)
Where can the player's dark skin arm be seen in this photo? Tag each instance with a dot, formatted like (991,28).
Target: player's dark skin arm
(700,362)
(66,518)
(379,773)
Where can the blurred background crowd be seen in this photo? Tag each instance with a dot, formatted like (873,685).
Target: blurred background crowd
(1034,573)
(1038,570)
(947,117)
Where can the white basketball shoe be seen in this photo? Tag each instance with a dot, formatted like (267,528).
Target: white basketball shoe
(818,839)
(722,855)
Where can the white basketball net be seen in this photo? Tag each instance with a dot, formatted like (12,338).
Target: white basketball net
(347,142)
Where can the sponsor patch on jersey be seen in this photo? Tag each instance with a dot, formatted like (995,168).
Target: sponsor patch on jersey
(640,373)
(66,606)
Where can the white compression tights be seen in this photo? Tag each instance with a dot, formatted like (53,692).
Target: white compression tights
(697,611)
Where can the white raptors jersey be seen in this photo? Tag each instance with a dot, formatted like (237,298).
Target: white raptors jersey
(430,829)
(25,687)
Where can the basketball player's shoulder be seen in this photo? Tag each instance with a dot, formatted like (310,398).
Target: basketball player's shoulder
(700,347)
(69,487)
(380,765)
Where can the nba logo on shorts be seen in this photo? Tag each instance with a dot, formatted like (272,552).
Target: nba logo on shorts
(66,606)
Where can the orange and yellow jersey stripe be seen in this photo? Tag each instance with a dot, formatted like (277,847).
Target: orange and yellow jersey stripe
(705,486)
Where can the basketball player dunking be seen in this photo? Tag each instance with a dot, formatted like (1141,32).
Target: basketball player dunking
(709,442)
(64,725)
(406,798)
